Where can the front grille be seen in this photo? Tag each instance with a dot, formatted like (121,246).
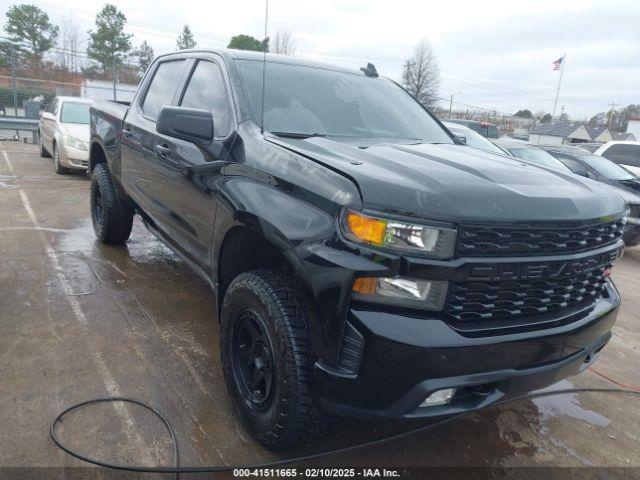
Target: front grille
(478,240)
(574,284)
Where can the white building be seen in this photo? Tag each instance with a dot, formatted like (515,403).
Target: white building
(599,134)
(101,90)
(634,126)
(559,134)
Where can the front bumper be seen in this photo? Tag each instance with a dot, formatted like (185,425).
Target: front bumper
(74,158)
(405,359)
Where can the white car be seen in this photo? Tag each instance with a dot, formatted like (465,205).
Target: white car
(625,154)
(64,133)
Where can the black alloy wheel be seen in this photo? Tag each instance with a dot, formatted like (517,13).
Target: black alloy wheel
(253,359)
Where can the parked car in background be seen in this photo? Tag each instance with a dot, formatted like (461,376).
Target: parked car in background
(64,133)
(626,154)
(488,130)
(473,138)
(623,182)
(530,153)
(590,147)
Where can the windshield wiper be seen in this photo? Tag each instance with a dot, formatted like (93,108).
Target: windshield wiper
(298,134)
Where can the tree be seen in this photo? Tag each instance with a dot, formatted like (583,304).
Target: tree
(524,113)
(30,29)
(185,39)
(284,43)
(247,42)
(70,45)
(623,119)
(109,43)
(546,118)
(564,117)
(421,75)
(144,55)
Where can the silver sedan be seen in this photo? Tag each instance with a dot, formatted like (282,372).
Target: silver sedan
(64,133)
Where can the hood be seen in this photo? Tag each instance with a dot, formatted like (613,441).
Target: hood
(77,130)
(458,183)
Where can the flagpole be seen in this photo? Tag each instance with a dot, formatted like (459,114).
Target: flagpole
(555,104)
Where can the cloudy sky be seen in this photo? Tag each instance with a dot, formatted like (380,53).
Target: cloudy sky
(492,53)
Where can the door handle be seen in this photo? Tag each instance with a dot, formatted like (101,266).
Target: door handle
(163,150)
(126,133)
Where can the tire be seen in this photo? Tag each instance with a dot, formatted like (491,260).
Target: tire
(112,218)
(60,170)
(281,411)
(43,152)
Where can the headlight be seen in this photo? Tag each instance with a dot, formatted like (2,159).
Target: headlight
(409,237)
(75,143)
(423,294)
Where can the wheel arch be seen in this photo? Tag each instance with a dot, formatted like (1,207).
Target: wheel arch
(96,156)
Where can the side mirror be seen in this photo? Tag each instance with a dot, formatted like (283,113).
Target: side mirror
(461,140)
(47,116)
(189,124)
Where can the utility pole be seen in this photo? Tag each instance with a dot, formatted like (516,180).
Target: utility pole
(561,111)
(451,102)
(613,106)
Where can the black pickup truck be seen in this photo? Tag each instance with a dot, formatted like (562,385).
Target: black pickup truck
(364,262)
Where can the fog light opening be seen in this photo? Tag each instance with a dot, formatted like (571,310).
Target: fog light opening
(439,397)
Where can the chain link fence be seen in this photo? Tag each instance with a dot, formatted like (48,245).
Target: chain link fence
(22,100)
(506,123)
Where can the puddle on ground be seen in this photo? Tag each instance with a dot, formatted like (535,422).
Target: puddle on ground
(567,405)
(4,178)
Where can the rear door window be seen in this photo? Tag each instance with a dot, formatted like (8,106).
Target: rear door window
(163,87)
(623,154)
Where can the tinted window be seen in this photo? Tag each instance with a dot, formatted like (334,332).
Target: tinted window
(624,154)
(206,91)
(574,165)
(163,87)
(607,168)
(305,100)
(535,155)
(492,131)
(73,112)
(474,139)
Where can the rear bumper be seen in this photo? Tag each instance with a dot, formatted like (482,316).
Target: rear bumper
(405,359)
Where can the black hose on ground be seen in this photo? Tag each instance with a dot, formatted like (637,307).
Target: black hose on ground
(208,469)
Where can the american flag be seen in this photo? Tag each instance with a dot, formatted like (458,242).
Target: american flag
(558,63)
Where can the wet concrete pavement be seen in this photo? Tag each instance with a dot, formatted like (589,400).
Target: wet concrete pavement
(80,320)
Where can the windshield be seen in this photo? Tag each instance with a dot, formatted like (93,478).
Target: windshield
(306,100)
(535,155)
(74,112)
(475,140)
(606,168)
